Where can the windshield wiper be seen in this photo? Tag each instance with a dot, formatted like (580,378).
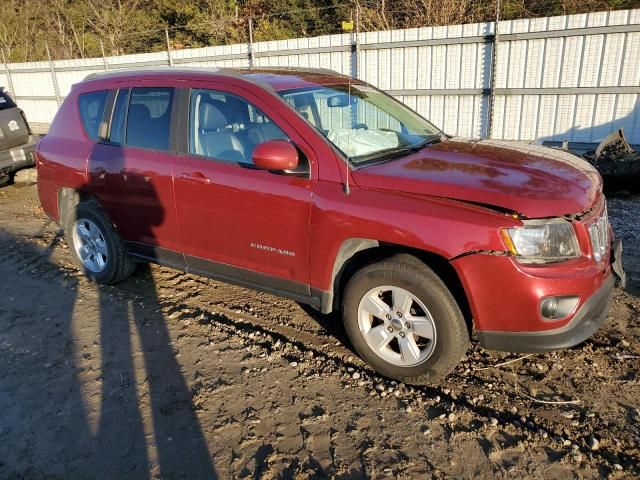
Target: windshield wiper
(427,141)
(391,153)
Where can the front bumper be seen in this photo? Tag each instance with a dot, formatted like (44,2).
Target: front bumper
(505,299)
(19,157)
(585,323)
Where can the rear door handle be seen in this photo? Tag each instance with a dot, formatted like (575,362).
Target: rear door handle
(195,177)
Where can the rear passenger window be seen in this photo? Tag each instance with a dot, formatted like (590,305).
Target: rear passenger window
(226,127)
(91,106)
(149,118)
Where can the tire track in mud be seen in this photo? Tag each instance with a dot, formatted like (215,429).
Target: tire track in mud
(295,343)
(337,352)
(333,362)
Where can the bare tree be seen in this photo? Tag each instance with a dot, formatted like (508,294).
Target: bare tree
(217,21)
(70,25)
(75,28)
(19,29)
(120,23)
(382,15)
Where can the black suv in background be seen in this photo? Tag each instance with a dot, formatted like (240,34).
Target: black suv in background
(17,143)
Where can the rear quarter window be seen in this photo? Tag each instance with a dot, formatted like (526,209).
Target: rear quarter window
(6,101)
(91,106)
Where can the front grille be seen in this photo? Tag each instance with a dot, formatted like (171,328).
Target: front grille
(599,235)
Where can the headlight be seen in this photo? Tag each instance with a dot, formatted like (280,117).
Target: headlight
(599,235)
(542,241)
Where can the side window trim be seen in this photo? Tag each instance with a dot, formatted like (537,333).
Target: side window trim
(125,123)
(174,133)
(116,95)
(105,124)
(181,126)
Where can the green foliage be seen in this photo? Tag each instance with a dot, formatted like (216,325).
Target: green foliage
(272,29)
(83,28)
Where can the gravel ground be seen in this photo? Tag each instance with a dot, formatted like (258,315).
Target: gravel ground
(169,375)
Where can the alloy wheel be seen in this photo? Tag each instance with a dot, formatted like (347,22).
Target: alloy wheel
(397,326)
(90,245)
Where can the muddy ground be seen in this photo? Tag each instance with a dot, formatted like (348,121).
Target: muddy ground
(169,375)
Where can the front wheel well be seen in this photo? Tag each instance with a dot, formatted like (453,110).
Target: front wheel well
(440,265)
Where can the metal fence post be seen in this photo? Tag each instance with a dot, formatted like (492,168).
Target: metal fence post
(169,59)
(492,77)
(52,67)
(250,46)
(9,79)
(104,57)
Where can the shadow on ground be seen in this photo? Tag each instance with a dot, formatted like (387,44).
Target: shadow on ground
(85,431)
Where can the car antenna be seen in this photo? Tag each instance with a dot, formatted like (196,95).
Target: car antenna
(347,189)
(348,27)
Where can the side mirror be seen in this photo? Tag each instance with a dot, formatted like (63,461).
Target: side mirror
(275,155)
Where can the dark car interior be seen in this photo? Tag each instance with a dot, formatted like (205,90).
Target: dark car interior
(149,118)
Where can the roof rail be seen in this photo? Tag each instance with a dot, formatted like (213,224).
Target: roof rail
(324,71)
(115,72)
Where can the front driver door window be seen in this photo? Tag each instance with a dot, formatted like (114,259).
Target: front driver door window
(227,128)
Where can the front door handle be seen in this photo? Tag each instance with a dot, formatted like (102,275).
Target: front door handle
(195,177)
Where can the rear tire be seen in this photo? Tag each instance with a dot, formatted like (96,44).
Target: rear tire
(417,333)
(95,245)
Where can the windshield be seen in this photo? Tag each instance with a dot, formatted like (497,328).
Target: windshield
(365,124)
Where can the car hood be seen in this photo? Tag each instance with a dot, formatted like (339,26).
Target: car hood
(529,179)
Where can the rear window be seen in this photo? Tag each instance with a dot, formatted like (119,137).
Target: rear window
(149,118)
(6,101)
(91,106)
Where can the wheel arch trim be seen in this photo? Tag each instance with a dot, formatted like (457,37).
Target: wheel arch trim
(364,250)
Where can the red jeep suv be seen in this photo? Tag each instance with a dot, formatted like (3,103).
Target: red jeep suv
(325,190)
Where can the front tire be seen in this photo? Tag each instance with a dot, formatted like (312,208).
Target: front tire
(403,320)
(95,245)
